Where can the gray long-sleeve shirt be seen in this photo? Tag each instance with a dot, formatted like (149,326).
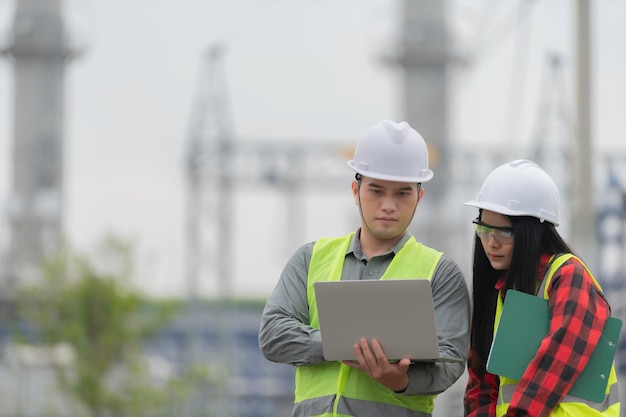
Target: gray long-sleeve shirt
(285,335)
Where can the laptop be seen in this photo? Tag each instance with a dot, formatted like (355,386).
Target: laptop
(397,312)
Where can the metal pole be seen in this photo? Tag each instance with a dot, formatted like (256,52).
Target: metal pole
(584,238)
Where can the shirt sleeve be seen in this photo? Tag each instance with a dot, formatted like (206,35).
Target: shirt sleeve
(285,335)
(481,394)
(579,313)
(452,306)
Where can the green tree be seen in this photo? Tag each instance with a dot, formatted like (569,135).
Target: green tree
(87,302)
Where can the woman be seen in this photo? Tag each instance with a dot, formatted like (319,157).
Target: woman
(515,247)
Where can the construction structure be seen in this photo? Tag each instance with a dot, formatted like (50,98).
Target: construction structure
(219,165)
(422,59)
(40,51)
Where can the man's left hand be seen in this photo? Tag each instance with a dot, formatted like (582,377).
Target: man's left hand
(372,361)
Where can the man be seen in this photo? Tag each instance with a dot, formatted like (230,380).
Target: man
(391,163)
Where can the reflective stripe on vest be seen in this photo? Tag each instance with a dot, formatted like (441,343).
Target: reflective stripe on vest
(323,406)
(569,406)
(335,389)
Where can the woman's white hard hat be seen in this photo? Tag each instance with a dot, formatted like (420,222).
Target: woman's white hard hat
(392,151)
(519,188)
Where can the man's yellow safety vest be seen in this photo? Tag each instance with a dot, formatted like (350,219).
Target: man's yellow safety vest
(569,406)
(335,389)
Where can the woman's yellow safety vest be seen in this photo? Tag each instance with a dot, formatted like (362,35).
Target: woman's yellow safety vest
(569,406)
(335,389)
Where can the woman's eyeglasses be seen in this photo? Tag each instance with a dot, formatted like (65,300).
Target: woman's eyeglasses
(502,235)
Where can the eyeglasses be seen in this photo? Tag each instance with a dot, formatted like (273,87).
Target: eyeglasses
(502,235)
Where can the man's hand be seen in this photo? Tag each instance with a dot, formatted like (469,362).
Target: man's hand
(372,361)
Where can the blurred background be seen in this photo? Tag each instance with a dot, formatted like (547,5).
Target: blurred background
(214,134)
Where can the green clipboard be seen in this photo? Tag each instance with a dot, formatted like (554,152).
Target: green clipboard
(523,325)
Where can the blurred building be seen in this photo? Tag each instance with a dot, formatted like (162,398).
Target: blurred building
(39,50)
(246,385)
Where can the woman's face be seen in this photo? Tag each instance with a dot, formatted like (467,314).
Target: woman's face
(496,235)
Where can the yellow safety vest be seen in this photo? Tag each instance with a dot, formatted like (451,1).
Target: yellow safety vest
(335,389)
(569,406)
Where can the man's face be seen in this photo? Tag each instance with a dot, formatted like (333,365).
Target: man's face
(387,207)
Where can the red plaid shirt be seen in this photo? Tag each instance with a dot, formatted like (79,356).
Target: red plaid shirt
(579,314)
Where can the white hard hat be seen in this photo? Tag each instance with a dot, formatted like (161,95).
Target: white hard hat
(520,188)
(393,152)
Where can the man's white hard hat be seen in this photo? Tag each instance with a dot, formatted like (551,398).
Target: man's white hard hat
(519,188)
(393,152)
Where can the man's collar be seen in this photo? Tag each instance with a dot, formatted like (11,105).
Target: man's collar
(355,244)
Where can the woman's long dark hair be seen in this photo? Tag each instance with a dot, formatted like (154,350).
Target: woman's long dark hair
(532,239)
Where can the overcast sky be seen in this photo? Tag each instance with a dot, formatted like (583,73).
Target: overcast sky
(295,70)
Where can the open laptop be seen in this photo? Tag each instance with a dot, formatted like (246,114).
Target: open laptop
(397,312)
